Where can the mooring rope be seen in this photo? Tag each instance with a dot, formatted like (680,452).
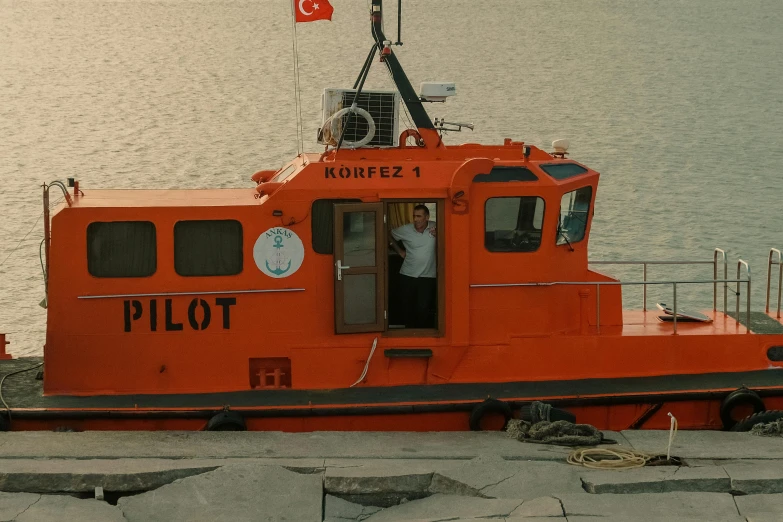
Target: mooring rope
(8,408)
(605,458)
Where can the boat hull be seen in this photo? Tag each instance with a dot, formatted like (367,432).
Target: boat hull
(609,404)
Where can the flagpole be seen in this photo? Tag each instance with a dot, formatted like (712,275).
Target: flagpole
(297,99)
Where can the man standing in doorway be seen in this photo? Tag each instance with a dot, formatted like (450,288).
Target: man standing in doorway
(419,268)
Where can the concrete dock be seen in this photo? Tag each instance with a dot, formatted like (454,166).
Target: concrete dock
(349,476)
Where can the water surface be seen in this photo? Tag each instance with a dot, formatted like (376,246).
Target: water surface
(679,104)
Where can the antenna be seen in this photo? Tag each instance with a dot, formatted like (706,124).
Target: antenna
(420,117)
(399,22)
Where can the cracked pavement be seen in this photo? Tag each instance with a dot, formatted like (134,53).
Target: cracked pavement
(343,477)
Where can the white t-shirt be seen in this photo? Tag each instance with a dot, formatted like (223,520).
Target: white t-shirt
(419,250)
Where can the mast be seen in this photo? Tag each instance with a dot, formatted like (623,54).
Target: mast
(416,109)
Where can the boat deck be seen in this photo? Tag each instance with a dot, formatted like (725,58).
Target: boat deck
(638,322)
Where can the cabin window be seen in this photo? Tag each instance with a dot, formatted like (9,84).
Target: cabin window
(513,224)
(563,170)
(574,211)
(322,223)
(208,248)
(505,174)
(121,249)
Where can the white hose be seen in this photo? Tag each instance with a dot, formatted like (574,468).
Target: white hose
(367,365)
(672,433)
(332,124)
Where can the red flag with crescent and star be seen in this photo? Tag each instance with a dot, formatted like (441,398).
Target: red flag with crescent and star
(312,10)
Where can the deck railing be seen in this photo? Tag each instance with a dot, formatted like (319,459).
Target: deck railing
(714,264)
(779,262)
(740,264)
(644,283)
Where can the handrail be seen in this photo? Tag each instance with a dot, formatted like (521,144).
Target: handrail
(715,276)
(747,299)
(599,284)
(769,277)
(602,283)
(674,307)
(644,264)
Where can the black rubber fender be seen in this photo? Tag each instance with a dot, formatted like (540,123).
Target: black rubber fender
(226,421)
(761,417)
(485,407)
(5,424)
(736,398)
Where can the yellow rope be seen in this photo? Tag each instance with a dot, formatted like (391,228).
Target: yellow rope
(604,458)
(619,458)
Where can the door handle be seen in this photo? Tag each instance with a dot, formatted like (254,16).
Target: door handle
(340,268)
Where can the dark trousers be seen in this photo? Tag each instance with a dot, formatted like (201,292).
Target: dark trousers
(418,296)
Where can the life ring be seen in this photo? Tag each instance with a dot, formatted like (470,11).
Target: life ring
(763,417)
(489,407)
(332,125)
(226,421)
(407,133)
(739,397)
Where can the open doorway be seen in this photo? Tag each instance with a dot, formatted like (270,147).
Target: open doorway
(414,237)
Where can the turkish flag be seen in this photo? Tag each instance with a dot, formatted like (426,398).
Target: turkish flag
(312,10)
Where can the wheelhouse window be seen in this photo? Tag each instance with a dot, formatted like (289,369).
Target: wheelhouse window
(208,248)
(513,224)
(505,174)
(574,212)
(121,249)
(562,171)
(322,223)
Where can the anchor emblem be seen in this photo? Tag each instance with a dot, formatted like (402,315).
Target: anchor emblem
(279,258)
(278,252)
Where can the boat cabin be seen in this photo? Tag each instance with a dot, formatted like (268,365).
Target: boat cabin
(154,290)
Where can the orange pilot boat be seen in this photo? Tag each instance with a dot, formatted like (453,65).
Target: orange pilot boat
(391,282)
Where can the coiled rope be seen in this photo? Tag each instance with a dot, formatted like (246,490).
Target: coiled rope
(622,458)
(604,458)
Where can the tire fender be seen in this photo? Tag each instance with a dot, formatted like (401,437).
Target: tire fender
(738,397)
(226,421)
(486,407)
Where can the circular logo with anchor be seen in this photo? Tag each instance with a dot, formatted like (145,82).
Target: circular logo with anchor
(278,252)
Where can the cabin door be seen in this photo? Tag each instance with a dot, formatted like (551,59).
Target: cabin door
(359,252)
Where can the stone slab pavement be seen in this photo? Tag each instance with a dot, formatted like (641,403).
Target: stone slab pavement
(707,444)
(352,445)
(26,507)
(236,492)
(344,477)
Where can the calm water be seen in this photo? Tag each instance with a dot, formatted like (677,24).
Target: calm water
(679,104)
